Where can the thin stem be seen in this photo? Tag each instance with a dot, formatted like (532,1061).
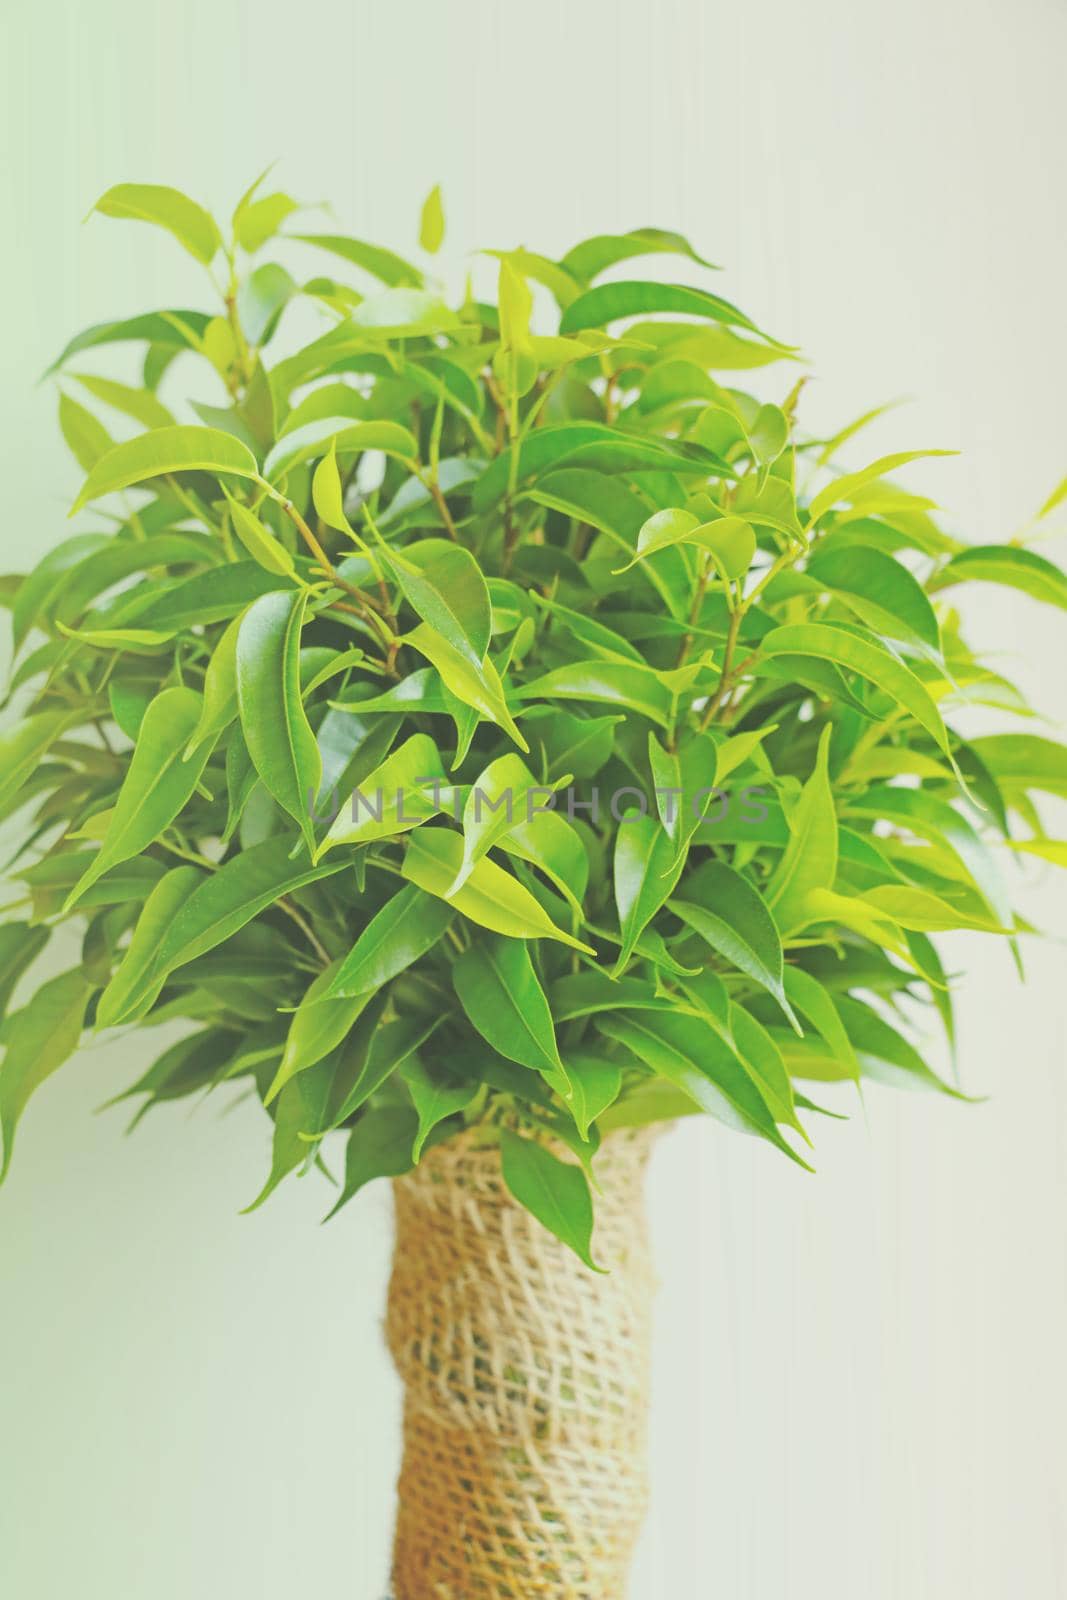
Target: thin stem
(305,927)
(244,355)
(429,481)
(501,408)
(694,610)
(725,676)
(368,607)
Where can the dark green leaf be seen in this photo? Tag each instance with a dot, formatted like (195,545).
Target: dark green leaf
(611,301)
(38,1040)
(553,1191)
(276,729)
(503,998)
(379,1146)
(158,782)
(407,926)
(730,916)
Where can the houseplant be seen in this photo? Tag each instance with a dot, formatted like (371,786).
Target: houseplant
(491,745)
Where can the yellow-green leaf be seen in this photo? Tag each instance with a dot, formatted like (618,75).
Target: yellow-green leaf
(432,221)
(164,450)
(168,208)
(490,897)
(157,785)
(476,686)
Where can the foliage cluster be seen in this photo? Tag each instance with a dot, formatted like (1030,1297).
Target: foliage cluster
(454,563)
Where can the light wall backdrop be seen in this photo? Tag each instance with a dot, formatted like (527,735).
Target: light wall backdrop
(859,1386)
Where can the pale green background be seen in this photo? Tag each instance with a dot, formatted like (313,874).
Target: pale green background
(859,1385)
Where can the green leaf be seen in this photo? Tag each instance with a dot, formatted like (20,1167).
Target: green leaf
(553,1191)
(478,686)
(276,729)
(885,1055)
(810,858)
(503,999)
(763,1059)
(396,796)
(157,785)
(298,1106)
(768,434)
(729,541)
(587,993)
(490,897)
(591,446)
(941,825)
(1056,498)
(343,436)
(595,1085)
(164,450)
(443,583)
(86,436)
(920,911)
(403,314)
(140,404)
(608,683)
(262,298)
(191,918)
(261,544)
(382,264)
(24,746)
(735,751)
(388,1048)
(1010,566)
(689,1054)
(20,945)
(379,1146)
(730,916)
(320,1023)
(1054,850)
(327,492)
(554,846)
(207,597)
(880,591)
(568,743)
(219,706)
(38,1040)
(432,221)
(407,926)
(256,221)
(646,869)
(602,642)
(500,798)
(872,661)
(435,1100)
(131,985)
(168,208)
(843,489)
(814,1001)
(610,301)
(648,1102)
(592,497)
(172,330)
(589,259)
(1022,761)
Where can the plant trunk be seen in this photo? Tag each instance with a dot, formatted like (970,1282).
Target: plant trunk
(526,1384)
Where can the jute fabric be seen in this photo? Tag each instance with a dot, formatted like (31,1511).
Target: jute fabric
(526,1383)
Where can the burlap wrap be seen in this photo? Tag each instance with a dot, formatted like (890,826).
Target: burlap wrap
(526,1384)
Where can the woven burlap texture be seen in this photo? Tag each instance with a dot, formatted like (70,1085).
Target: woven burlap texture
(526,1383)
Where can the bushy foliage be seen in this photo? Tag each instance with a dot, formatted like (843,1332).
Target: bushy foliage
(645,707)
